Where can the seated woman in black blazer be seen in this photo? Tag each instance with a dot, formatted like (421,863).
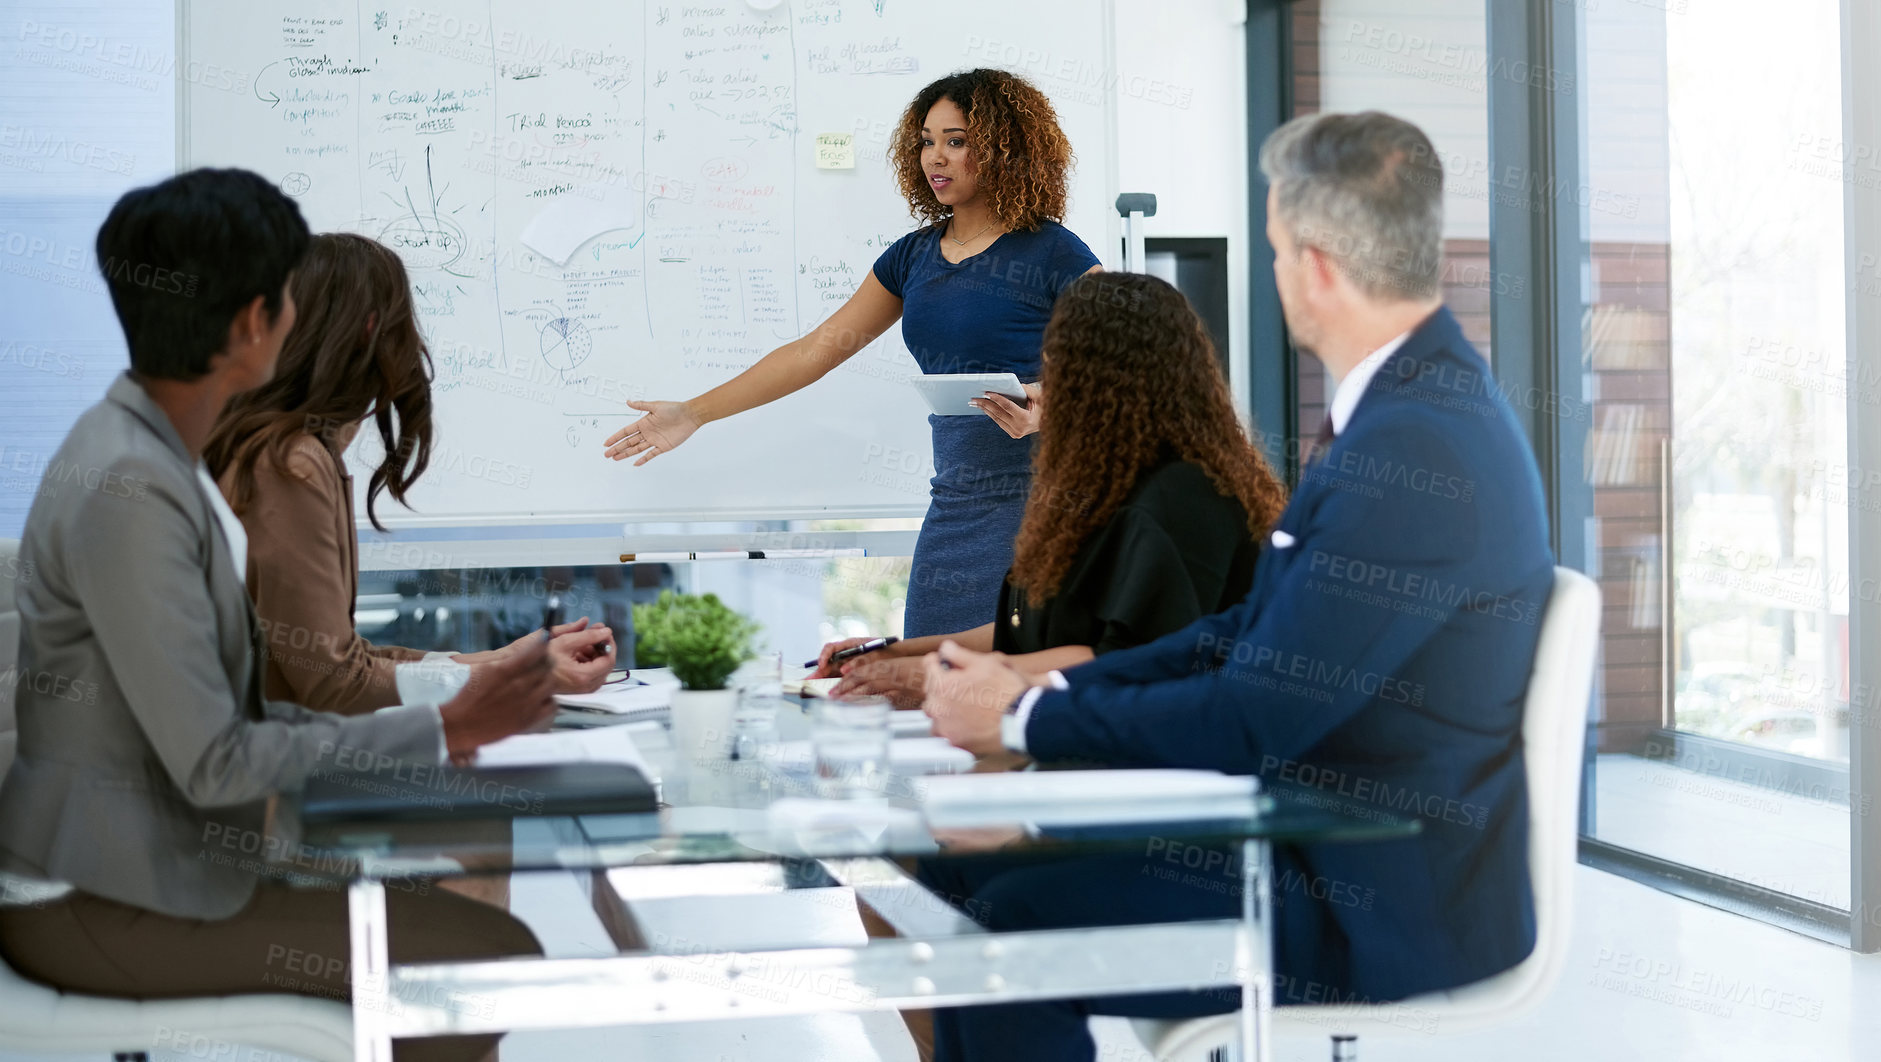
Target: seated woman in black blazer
(1148,502)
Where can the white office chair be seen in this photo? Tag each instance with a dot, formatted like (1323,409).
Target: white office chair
(34,1018)
(1554,721)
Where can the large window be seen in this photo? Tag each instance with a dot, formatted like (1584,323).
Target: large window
(1661,188)
(1717,456)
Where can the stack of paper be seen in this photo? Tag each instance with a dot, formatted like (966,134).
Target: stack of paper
(1050,798)
(647,695)
(907,723)
(810,687)
(611,744)
(919,755)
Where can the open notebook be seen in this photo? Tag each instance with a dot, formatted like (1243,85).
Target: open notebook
(646,694)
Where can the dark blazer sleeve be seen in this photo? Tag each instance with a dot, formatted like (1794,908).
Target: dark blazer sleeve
(1279,678)
(1171,656)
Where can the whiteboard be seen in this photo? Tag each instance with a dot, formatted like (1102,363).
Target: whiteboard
(605,200)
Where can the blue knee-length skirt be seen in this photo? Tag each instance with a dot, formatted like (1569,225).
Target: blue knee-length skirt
(976,501)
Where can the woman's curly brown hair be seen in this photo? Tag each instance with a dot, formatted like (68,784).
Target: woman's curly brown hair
(1130,379)
(1024,159)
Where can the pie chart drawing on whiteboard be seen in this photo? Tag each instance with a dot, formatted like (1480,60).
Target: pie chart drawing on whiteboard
(565,343)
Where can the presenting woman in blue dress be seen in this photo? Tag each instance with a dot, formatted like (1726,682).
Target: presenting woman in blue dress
(982,160)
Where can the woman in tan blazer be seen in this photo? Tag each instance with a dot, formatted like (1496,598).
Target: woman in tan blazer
(355,353)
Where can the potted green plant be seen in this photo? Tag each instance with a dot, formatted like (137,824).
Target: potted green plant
(703,641)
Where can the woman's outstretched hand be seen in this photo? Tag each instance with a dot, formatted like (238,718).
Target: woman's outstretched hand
(666,425)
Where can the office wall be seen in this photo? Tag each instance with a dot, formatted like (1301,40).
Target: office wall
(87,111)
(1427,65)
(1182,132)
(1424,63)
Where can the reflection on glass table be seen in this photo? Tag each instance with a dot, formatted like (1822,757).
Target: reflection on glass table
(757,825)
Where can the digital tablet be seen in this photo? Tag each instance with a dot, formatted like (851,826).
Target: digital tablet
(948,393)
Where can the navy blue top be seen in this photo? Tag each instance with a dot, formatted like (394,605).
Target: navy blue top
(984,314)
(987,313)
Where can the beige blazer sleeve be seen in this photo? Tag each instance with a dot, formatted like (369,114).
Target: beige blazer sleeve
(302,576)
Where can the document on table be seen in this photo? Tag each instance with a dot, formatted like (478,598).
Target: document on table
(1054,798)
(612,744)
(810,687)
(911,755)
(909,723)
(646,695)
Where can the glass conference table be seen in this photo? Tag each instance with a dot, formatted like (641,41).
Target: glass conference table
(741,827)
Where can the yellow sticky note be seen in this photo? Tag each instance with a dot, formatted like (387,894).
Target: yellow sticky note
(835,151)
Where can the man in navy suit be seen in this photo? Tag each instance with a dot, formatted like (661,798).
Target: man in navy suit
(1381,657)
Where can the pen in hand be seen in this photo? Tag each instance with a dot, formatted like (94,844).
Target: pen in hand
(857,650)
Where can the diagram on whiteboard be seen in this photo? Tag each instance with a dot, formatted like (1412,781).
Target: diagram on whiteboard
(565,344)
(424,230)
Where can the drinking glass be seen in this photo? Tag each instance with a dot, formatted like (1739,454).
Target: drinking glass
(850,738)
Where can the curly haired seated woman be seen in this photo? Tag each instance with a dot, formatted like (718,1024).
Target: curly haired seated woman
(1148,501)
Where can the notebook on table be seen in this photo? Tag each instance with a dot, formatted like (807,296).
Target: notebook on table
(529,774)
(644,695)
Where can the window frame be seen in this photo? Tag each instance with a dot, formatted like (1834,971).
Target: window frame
(1537,337)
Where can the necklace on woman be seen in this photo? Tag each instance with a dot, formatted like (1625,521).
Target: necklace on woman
(969,239)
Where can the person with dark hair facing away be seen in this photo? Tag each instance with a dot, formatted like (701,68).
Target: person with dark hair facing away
(355,355)
(1148,502)
(130,820)
(1386,644)
(984,165)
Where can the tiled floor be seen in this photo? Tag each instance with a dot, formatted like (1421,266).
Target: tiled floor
(1649,977)
(1653,977)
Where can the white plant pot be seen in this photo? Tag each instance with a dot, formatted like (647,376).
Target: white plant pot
(702,725)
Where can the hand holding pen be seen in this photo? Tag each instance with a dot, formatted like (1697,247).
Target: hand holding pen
(829,662)
(582,654)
